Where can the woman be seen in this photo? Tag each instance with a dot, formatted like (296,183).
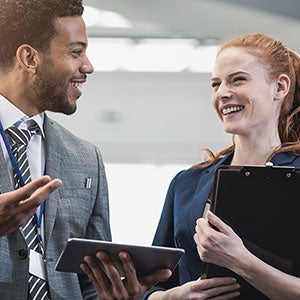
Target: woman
(248,103)
(255,85)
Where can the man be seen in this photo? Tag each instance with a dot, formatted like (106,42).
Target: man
(43,63)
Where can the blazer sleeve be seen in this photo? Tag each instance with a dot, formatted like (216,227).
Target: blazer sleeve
(164,237)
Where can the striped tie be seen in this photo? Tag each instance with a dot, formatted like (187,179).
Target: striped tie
(19,139)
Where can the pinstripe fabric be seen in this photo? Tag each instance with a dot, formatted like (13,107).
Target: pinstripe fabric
(19,139)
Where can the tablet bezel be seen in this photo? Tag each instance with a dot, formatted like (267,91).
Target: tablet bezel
(147,259)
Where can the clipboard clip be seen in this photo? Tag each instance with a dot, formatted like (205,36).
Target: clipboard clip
(269,171)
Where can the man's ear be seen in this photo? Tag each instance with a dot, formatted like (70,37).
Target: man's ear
(28,58)
(282,87)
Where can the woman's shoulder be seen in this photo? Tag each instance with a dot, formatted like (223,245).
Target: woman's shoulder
(287,159)
(190,175)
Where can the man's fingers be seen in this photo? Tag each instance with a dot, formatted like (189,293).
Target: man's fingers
(26,191)
(105,276)
(95,274)
(37,193)
(111,271)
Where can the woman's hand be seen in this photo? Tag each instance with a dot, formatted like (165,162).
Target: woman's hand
(221,288)
(107,280)
(220,246)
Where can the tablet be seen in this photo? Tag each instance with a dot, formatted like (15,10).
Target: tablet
(147,259)
(261,204)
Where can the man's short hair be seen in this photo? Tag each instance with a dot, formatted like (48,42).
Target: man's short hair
(31,22)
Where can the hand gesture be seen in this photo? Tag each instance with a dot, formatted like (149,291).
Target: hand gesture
(18,206)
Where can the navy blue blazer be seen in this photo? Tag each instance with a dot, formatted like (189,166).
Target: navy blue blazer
(185,202)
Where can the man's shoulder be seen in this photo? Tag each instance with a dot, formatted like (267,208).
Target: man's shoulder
(57,133)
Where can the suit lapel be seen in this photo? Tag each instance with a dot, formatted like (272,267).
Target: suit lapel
(6,186)
(5,183)
(53,157)
(203,190)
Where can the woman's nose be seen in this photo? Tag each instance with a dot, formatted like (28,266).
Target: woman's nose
(223,92)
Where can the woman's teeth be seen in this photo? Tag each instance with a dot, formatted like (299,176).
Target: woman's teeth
(232,109)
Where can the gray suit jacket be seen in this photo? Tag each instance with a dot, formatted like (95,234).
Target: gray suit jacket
(71,211)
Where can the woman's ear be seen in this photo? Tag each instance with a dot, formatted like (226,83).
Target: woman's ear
(28,58)
(282,87)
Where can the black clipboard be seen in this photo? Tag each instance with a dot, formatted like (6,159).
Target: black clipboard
(146,259)
(262,205)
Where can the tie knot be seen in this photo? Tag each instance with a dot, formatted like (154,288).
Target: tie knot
(21,136)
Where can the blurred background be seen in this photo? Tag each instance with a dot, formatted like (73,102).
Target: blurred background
(147,106)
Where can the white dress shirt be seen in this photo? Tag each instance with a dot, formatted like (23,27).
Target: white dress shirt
(11,115)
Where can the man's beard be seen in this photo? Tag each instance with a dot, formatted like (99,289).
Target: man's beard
(51,93)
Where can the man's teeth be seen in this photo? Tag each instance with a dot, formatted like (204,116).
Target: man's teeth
(229,110)
(76,84)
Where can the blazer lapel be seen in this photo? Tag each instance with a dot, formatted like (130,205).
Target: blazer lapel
(203,191)
(53,156)
(7,186)
(5,183)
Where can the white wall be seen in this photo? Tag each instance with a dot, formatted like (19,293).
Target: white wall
(155,118)
(148,127)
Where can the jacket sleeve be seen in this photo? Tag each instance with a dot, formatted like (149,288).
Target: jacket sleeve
(164,237)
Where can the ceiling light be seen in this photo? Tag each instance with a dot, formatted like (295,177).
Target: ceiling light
(160,55)
(108,54)
(150,55)
(203,58)
(103,18)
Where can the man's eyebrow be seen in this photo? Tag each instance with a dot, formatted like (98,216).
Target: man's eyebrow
(83,44)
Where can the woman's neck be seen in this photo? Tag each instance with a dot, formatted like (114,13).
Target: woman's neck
(253,153)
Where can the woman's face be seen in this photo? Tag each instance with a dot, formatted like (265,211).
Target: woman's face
(243,96)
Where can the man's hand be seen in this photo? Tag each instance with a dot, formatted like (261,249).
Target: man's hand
(108,282)
(17,207)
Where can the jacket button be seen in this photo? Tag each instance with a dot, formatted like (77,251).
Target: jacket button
(23,253)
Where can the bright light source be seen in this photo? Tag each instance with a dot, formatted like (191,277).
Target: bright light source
(150,55)
(108,55)
(203,58)
(96,17)
(160,55)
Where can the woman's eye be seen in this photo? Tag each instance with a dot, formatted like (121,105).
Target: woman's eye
(215,84)
(238,79)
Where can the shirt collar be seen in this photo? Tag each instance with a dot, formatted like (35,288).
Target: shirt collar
(10,115)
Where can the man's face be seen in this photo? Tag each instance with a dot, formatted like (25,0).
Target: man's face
(63,68)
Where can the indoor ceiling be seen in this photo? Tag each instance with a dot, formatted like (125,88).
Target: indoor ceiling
(203,19)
